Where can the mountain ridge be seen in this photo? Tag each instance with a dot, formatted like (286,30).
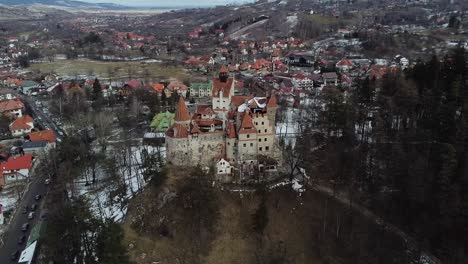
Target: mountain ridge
(63,3)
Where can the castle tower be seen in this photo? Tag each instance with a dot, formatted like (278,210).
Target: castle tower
(272,106)
(223,74)
(182,115)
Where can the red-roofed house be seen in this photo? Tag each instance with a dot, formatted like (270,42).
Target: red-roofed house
(16,168)
(344,65)
(46,135)
(21,126)
(178,87)
(14,107)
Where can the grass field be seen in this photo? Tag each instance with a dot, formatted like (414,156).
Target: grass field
(331,21)
(110,69)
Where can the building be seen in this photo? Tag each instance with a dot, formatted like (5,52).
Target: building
(201,89)
(21,126)
(36,148)
(45,135)
(344,65)
(16,168)
(13,107)
(232,132)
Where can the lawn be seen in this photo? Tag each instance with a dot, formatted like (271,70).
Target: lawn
(110,69)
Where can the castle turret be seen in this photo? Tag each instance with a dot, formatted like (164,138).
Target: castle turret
(223,74)
(272,106)
(182,115)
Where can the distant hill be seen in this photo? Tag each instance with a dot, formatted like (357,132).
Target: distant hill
(63,3)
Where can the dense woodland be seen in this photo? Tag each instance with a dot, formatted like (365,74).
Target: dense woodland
(397,145)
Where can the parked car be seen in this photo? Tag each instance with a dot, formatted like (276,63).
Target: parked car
(31,215)
(25,227)
(25,209)
(21,239)
(33,207)
(47,181)
(38,197)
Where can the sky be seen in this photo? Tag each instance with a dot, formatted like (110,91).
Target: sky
(171,3)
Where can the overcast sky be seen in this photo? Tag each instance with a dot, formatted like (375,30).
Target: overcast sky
(170,2)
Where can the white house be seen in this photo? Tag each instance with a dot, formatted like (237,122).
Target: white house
(21,126)
(223,168)
(16,168)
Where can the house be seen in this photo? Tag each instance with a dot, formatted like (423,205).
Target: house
(158,88)
(330,78)
(27,86)
(45,135)
(13,107)
(178,87)
(303,81)
(21,126)
(16,168)
(35,147)
(344,65)
(223,170)
(201,89)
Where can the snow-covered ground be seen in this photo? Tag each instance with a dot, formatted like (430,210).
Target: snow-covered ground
(9,197)
(107,200)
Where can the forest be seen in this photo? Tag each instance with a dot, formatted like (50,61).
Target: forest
(397,145)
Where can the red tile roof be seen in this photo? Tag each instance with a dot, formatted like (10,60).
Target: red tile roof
(219,86)
(174,84)
(195,128)
(134,84)
(17,163)
(237,100)
(273,102)
(223,69)
(9,105)
(231,130)
(46,135)
(182,112)
(158,87)
(247,121)
(205,110)
(21,123)
(345,62)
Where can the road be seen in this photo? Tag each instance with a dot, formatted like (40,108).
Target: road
(40,117)
(34,187)
(10,238)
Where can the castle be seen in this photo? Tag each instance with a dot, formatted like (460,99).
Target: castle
(234,133)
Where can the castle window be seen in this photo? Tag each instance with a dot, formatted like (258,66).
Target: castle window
(265,139)
(245,145)
(267,148)
(248,136)
(263,123)
(260,149)
(259,131)
(235,144)
(256,123)
(259,140)
(265,130)
(251,144)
